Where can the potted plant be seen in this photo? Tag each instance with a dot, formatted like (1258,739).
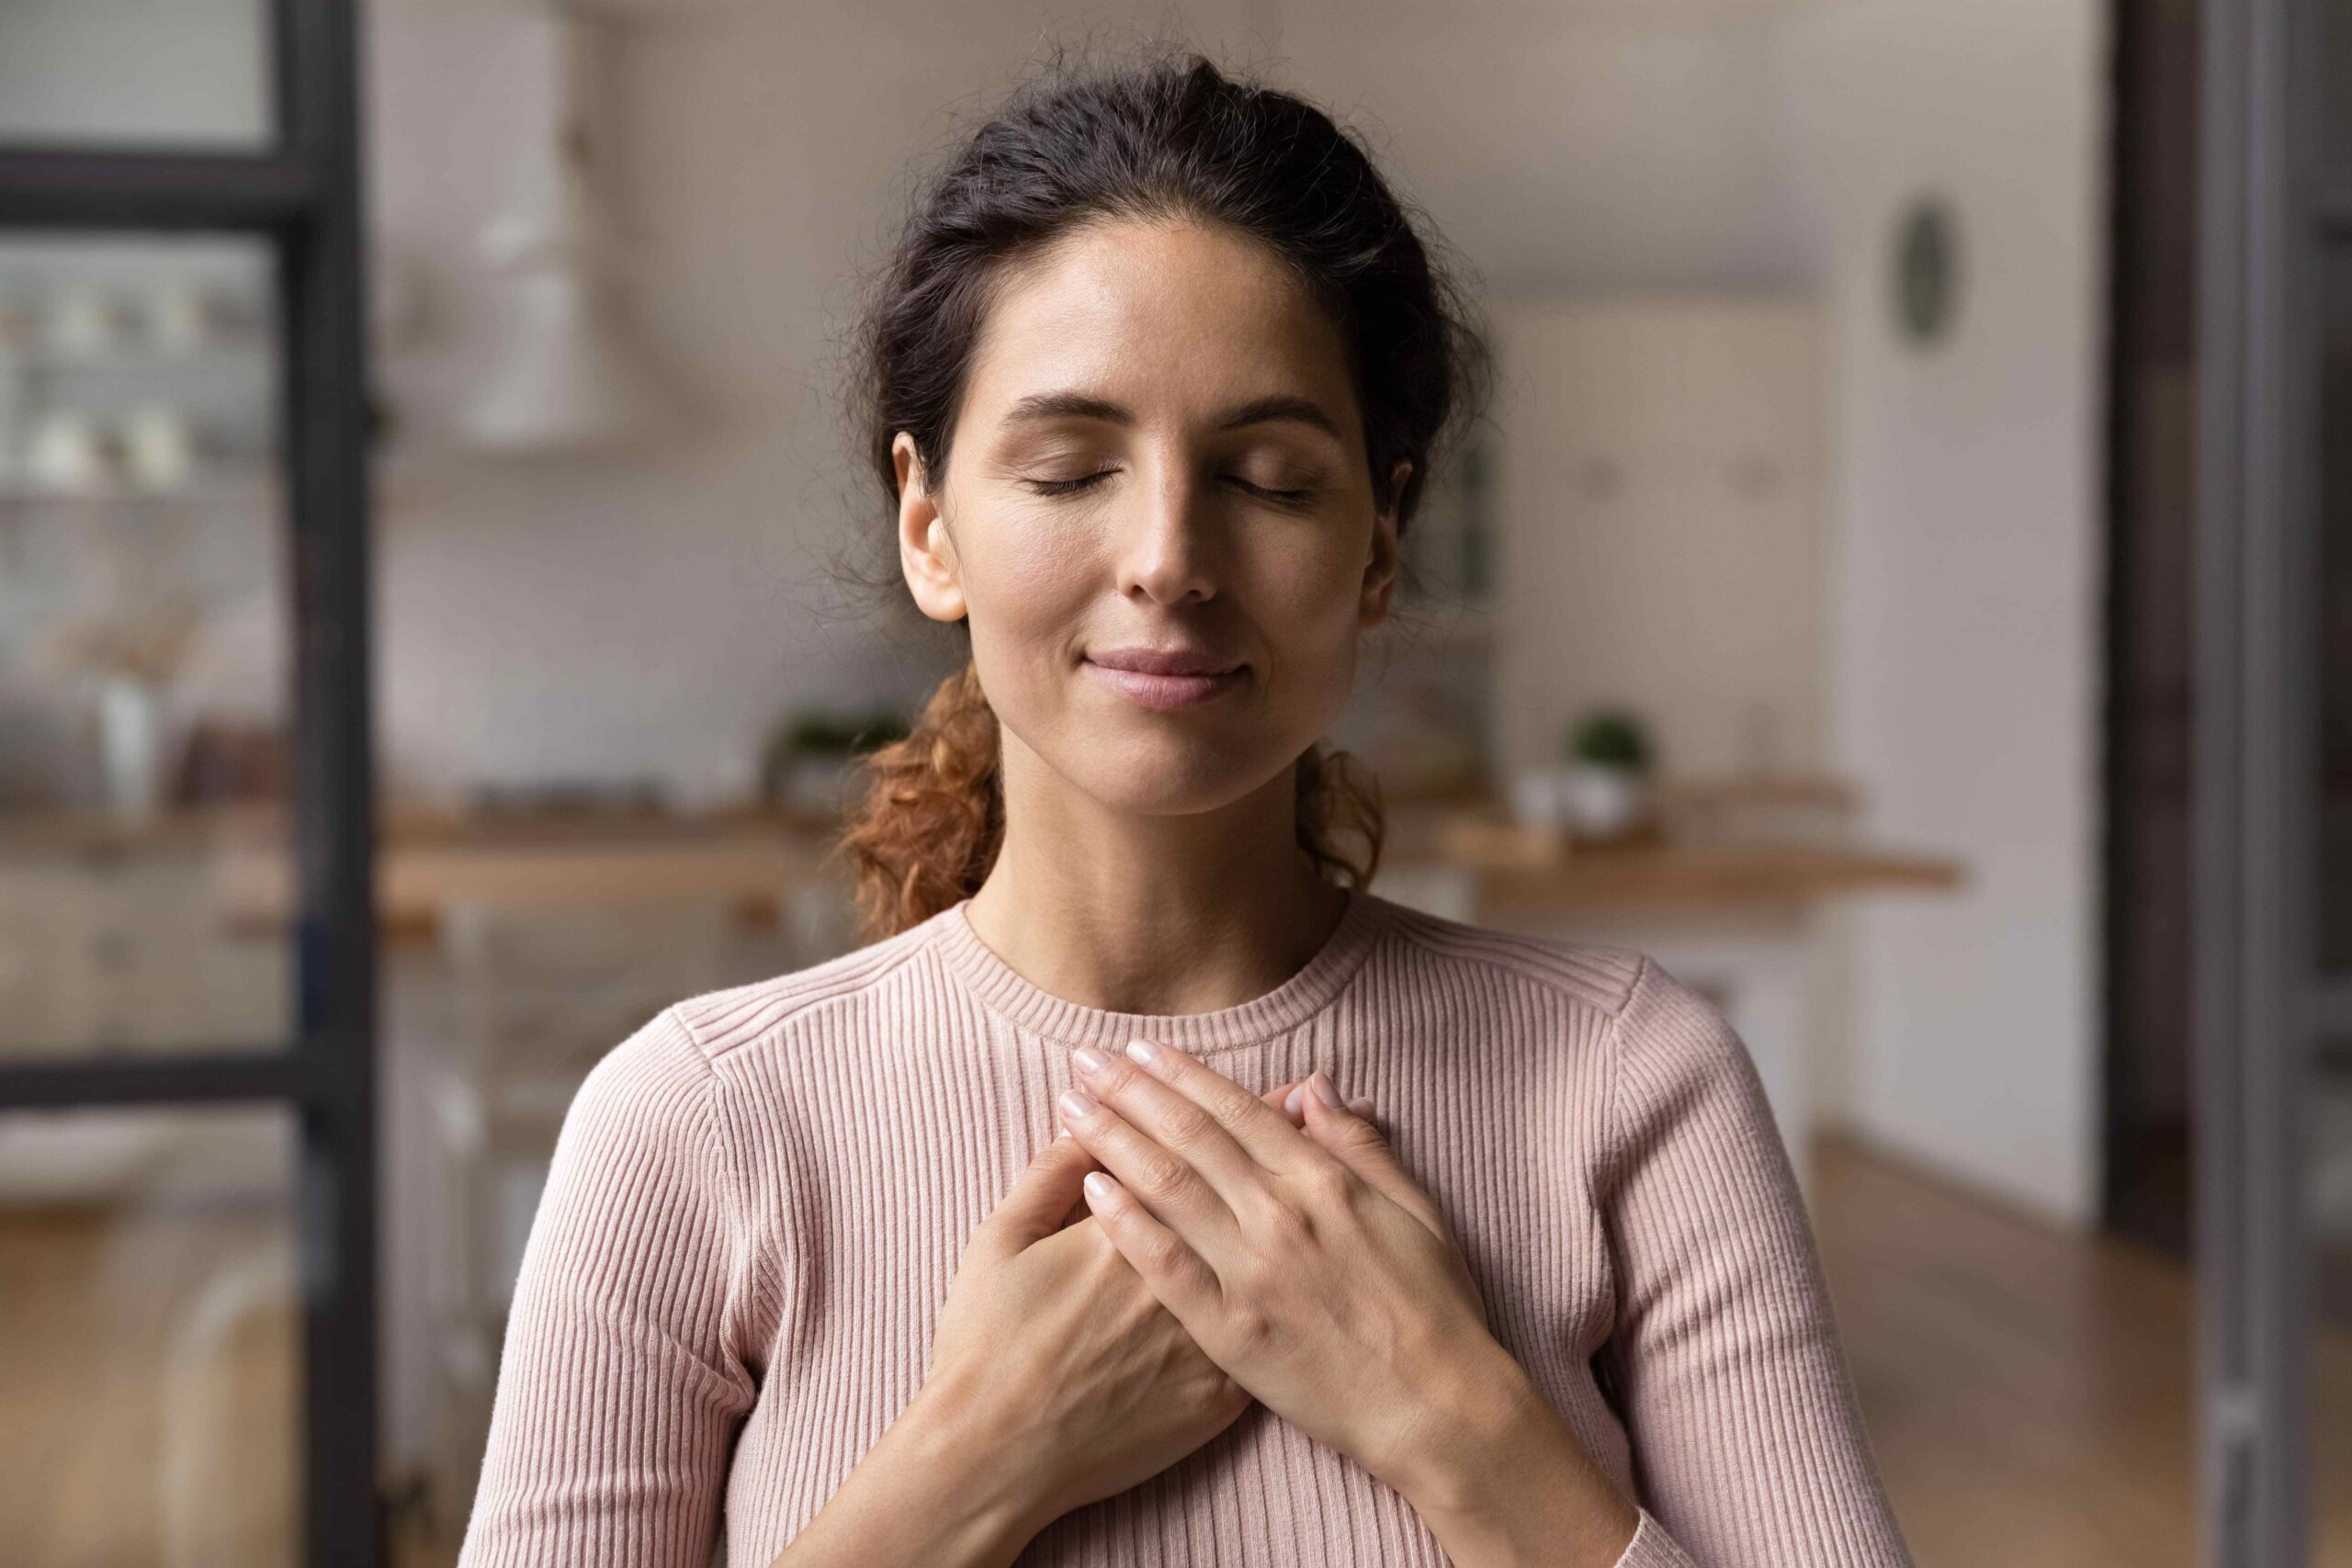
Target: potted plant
(810,754)
(1604,792)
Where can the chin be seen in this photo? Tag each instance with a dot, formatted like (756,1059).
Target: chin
(1171,777)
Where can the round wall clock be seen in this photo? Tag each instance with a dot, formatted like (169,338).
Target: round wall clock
(1926,271)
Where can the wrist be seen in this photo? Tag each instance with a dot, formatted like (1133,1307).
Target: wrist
(953,1433)
(1499,1478)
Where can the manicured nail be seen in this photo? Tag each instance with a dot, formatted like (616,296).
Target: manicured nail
(1291,1102)
(1362,1107)
(1077,1102)
(1098,1186)
(1142,1051)
(1088,1059)
(1325,1090)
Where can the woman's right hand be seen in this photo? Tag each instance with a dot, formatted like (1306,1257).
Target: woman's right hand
(1056,1379)
(1051,1349)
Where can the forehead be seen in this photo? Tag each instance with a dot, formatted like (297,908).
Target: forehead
(1169,318)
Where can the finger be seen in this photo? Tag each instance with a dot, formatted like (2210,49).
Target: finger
(1040,1200)
(1294,1103)
(1178,1275)
(1279,1096)
(1357,1143)
(1231,1136)
(1158,1178)
(1177,1122)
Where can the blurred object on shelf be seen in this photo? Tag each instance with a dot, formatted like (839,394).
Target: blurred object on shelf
(811,753)
(1605,788)
(1486,836)
(223,761)
(570,797)
(1793,809)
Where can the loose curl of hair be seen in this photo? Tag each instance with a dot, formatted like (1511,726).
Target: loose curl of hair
(1172,139)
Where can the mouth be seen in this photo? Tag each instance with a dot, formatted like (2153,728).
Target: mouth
(1165,678)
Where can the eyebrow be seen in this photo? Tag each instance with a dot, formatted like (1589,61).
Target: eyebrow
(1259,411)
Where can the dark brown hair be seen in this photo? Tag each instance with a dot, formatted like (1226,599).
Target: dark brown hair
(1175,138)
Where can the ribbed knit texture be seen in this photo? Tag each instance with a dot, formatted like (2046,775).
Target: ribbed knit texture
(758,1200)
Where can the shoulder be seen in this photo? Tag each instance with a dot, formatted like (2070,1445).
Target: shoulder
(722,1023)
(1663,1036)
(1597,977)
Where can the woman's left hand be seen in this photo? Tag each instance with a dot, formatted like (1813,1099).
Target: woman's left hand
(1307,1263)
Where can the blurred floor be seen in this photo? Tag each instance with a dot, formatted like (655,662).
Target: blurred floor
(2029,1391)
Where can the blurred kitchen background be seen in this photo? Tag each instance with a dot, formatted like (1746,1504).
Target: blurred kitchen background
(1813,611)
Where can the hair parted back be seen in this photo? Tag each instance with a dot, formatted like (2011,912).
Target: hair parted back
(1175,138)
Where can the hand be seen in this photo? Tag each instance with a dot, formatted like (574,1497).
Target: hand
(1051,1351)
(1307,1263)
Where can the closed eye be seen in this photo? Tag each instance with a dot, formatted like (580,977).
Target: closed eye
(1071,487)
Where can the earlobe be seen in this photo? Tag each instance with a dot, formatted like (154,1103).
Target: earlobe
(926,552)
(1380,571)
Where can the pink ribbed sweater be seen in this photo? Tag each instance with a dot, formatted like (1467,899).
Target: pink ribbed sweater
(759,1199)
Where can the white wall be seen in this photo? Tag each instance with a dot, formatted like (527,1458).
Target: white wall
(649,616)
(1965,586)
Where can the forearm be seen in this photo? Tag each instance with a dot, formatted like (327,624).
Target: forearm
(1501,1482)
(934,1491)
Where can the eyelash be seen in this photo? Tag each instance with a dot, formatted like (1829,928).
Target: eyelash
(1069,487)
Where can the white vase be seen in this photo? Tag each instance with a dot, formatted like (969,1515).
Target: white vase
(1601,801)
(131,746)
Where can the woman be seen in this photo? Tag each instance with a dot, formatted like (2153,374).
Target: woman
(1039,1229)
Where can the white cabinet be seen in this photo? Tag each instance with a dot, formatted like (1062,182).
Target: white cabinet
(1660,511)
(134,950)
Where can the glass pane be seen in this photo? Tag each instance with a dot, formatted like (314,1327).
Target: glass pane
(183,73)
(2335,624)
(149,1339)
(143,649)
(2332,1350)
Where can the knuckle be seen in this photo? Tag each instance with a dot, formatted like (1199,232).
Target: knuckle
(1229,1103)
(1288,1224)
(1158,1178)
(1327,1183)
(1249,1330)
(1160,1252)
(1189,1126)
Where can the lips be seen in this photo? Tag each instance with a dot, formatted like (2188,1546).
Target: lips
(1165,678)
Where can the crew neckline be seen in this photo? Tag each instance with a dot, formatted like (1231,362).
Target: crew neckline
(1029,1006)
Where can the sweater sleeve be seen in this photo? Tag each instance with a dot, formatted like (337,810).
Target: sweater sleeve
(619,1391)
(1723,1357)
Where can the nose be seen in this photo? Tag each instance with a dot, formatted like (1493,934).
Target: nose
(1166,547)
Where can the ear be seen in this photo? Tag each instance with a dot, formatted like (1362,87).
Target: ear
(1380,571)
(926,555)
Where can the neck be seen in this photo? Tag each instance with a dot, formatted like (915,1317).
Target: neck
(1132,913)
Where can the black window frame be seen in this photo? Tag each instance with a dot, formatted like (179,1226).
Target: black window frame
(301,193)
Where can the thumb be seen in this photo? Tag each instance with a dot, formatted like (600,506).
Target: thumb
(1040,1200)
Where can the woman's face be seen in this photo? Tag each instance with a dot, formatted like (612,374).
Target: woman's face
(1157,514)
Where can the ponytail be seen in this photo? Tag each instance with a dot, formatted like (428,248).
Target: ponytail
(927,832)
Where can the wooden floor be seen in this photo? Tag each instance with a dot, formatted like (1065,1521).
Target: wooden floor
(2030,1392)
(2027,1391)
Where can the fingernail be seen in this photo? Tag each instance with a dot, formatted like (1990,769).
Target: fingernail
(1077,1102)
(1142,1051)
(1098,1186)
(1291,1102)
(1061,1132)
(1088,1059)
(1325,1090)
(1362,1107)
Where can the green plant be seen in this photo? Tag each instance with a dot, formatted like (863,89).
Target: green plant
(1610,738)
(826,734)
